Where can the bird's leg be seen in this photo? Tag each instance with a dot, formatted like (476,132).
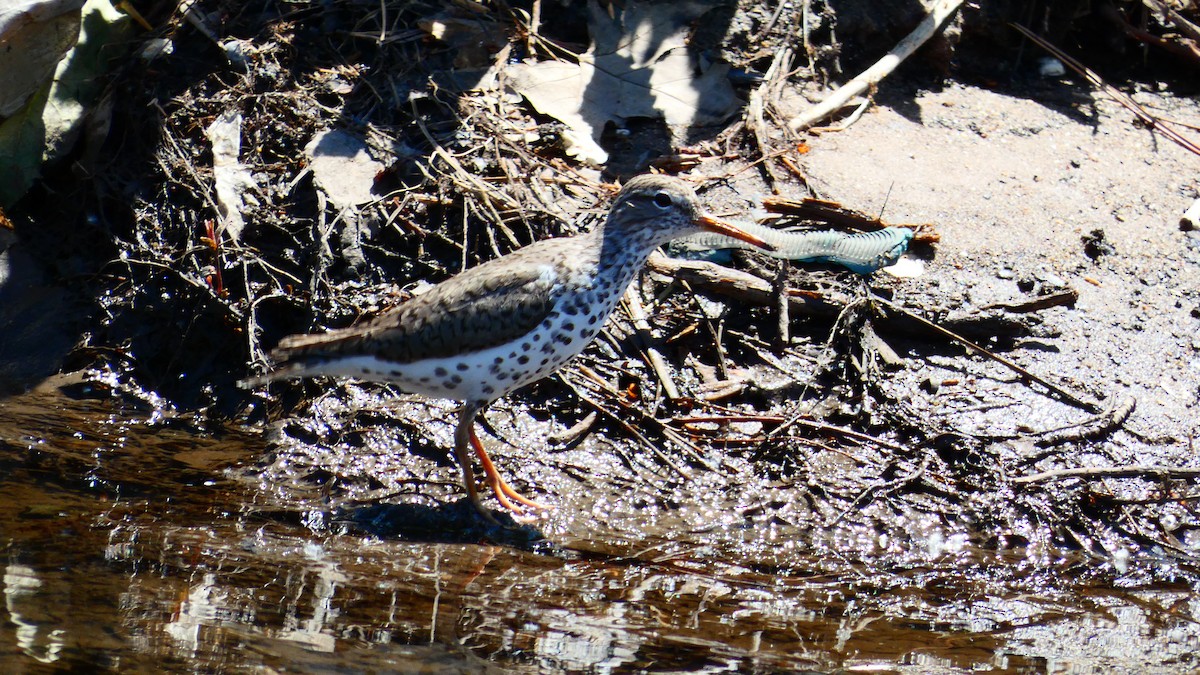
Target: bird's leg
(464,434)
(502,490)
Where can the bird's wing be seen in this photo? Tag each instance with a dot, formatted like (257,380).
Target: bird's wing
(483,307)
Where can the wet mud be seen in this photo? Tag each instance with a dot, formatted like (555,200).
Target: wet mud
(135,543)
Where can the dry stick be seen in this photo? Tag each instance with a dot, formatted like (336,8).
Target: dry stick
(535,24)
(1182,47)
(834,430)
(779,288)
(465,178)
(590,375)
(1054,389)
(1128,471)
(1181,24)
(869,78)
(1151,121)
(633,305)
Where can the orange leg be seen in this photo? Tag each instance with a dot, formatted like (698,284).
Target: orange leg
(465,436)
(501,488)
(462,439)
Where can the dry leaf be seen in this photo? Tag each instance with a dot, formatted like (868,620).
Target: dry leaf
(639,66)
(343,168)
(231,178)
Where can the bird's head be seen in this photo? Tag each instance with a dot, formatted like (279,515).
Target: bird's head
(661,208)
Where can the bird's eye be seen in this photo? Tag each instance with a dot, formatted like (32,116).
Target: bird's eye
(662,200)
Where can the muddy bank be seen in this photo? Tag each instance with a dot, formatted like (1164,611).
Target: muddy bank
(837,487)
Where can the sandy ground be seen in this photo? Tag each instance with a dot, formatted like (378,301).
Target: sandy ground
(1014,182)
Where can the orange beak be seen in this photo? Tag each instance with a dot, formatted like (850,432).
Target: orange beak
(722,227)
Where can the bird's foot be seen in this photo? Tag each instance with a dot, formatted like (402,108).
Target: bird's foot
(516,513)
(504,494)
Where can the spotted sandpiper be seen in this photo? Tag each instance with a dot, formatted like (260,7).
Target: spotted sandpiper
(503,324)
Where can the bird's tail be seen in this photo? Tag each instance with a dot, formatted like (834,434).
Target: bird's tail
(301,355)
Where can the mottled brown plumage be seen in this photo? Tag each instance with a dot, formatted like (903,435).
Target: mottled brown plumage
(507,322)
(491,305)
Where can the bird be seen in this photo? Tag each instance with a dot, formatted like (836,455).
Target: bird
(505,323)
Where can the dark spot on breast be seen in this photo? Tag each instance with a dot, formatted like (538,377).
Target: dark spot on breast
(456,379)
(462,367)
(525,346)
(570,325)
(440,372)
(522,359)
(423,380)
(498,360)
(502,376)
(450,384)
(587,333)
(592,319)
(571,309)
(489,389)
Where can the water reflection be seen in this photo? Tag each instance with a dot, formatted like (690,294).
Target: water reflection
(143,557)
(29,610)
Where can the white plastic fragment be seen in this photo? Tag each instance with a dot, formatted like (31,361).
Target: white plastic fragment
(1191,217)
(906,267)
(1048,66)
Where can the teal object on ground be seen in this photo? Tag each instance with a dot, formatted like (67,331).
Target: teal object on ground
(862,252)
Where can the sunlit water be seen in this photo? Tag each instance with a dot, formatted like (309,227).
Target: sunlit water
(128,545)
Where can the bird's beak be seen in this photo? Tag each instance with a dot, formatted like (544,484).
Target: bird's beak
(721,227)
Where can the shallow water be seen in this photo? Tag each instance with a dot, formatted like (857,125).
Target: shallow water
(131,544)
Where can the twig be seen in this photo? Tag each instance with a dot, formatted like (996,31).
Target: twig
(1181,47)
(779,288)
(646,419)
(465,179)
(1128,471)
(834,430)
(890,486)
(1150,121)
(1065,298)
(869,78)
(860,104)
(837,215)
(1097,426)
(762,32)
(637,313)
(1054,389)
(535,25)
(741,286)
(1181,24)
(624,424)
